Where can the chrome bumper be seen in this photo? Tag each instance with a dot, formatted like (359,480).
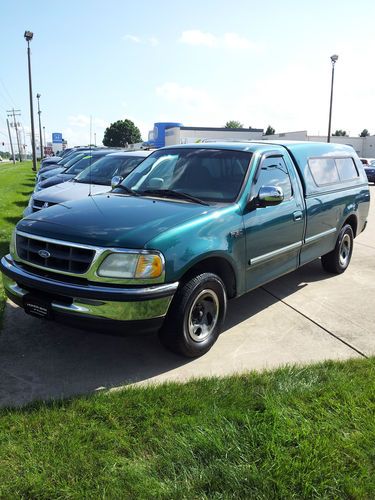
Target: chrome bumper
(90,301)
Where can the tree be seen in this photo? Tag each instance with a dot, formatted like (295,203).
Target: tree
(270,130)
(339,133)
(364,133)
(121,133)
(234,124)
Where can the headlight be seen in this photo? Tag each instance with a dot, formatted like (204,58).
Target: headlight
(131,265)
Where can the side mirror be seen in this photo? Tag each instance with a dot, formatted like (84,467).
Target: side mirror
(116,180)
(269,196)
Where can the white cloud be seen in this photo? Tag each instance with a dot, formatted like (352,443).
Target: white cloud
(132,38)
(226,41)
(197,37)
(151,40)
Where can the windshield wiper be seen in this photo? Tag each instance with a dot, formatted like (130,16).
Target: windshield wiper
(173,194)
(127,190)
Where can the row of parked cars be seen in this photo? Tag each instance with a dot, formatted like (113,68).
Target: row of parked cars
(80,172)
(161,240)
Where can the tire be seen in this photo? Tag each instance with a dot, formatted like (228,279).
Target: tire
(338,260)
(196,316)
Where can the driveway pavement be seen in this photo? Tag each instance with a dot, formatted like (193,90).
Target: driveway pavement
(300,318)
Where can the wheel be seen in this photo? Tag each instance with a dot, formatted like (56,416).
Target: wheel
(338,260)
(196,316)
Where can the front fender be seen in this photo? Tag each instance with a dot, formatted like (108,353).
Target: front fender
(219,234)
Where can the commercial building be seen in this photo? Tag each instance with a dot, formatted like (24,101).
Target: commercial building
(364,146)
(170,133)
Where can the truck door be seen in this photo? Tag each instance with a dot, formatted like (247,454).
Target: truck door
(274,234)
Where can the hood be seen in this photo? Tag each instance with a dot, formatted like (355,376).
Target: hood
(55,179)
(111,220)
(50,173)
(68,191)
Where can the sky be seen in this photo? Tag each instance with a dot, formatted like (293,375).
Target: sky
(200,63)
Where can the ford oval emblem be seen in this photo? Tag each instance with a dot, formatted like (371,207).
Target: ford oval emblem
(44,254)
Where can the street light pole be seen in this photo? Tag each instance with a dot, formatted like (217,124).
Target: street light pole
(28,37)
(333,60)
(44,136)
(40,130)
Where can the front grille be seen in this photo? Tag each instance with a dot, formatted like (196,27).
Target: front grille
(61,257)
(39,204)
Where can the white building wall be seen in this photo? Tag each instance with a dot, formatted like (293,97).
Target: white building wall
(172,136)
(363,146)
(177,135)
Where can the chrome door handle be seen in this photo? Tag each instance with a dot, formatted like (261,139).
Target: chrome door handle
(297,215)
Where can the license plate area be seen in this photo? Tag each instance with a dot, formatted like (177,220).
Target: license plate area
(35,306)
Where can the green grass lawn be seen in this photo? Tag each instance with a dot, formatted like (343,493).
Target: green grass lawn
(291,433)
(16,185)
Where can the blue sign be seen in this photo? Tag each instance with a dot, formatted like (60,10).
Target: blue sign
(56,138)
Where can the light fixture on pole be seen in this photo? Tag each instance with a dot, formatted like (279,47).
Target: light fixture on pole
(333,61)
(40,130)
(28,37)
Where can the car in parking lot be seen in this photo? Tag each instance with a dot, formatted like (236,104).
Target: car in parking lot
(72,171)
(112,168)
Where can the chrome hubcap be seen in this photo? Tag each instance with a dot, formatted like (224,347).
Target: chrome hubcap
(345,250)
(203,315)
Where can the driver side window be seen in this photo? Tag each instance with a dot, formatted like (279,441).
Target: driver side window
(273,172)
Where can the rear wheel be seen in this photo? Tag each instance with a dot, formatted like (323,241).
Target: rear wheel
(338,260)
(196,316)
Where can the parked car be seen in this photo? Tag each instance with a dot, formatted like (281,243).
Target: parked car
(191,227)
(62,163)
(58,168)
(72,171)
(93,180)
(370,172)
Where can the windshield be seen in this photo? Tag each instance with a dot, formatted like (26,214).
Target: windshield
(83,163)
(107,167)
(207,174)
(71,159)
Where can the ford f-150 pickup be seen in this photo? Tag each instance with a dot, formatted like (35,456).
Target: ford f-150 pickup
(191,227)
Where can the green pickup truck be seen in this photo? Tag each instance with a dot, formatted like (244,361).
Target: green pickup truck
(191,227)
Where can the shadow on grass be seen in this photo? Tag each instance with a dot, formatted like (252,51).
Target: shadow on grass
(61,361)
(21,204)
(12,220)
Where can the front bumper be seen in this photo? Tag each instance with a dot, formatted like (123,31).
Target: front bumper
(104,304)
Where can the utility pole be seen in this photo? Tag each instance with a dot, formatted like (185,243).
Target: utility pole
(11,144)
(13,113)
(40,131)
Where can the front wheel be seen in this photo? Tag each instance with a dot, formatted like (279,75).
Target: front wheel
(338,260)
(196,316)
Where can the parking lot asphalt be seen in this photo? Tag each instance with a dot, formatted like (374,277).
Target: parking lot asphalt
(303,317)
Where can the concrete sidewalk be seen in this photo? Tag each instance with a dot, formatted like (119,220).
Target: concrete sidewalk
(303,317)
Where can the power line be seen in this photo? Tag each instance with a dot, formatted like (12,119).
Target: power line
(6,90)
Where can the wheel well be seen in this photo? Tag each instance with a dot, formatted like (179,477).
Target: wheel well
(216,265)
(352,221)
